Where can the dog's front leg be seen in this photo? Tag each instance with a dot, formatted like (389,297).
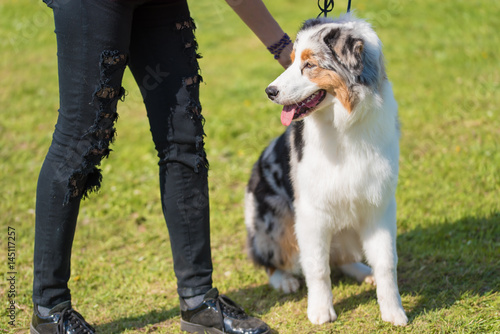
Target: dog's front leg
(379,243)
(314,244)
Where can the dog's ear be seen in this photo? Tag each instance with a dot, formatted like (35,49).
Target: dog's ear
(346,49)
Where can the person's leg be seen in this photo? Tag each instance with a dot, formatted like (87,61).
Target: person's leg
(163,60)
(92,45)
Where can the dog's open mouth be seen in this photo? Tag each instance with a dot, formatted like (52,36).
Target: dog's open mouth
(301,109)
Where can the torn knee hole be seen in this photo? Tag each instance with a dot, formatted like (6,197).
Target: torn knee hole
(95,155)
(110,93)
(188,24)
(195,110)
(106,93)
(111,60)
(82,182)
(192,80)
(105,134)
(76,184)
(192,44)
(98,152)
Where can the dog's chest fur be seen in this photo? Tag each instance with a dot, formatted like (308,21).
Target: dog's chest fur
(351,173)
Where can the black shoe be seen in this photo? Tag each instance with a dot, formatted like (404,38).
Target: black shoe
(62,319)
(219,314)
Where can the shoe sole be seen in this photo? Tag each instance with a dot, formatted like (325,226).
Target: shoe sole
(200,329)
(33,330)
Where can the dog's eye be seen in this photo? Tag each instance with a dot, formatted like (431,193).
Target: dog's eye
(309,65)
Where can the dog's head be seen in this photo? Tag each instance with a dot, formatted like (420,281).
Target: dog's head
(333,62)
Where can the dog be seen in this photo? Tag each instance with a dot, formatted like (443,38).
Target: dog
(322,194)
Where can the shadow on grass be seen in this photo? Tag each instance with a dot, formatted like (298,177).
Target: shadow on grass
(137,322)
(438,264)
(441,263)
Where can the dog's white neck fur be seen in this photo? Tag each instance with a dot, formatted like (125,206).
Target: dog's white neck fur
(356,141)
(374,106)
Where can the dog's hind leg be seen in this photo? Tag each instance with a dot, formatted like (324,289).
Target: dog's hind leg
(359,271)
(283,281)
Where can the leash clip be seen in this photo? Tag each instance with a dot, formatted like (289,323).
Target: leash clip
(328,7)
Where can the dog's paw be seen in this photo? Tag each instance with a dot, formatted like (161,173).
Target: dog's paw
(359,271)
(320,315)
(370,279)
(284,281)
(396,317)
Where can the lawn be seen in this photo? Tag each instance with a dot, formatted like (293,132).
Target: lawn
(443,61)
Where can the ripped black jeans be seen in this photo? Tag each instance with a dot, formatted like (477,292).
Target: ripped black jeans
(96,40)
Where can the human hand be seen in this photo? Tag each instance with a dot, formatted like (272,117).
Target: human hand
(284,58)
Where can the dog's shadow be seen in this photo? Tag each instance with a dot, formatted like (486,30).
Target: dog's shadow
(437,265)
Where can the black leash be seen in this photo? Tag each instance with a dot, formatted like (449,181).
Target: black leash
(328,7)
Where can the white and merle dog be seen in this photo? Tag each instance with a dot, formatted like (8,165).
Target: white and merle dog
(323,193)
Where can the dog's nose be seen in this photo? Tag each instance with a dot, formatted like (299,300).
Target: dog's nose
(272,92)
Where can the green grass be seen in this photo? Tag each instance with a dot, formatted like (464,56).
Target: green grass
(442,58)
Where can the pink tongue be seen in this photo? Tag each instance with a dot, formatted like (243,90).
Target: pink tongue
(287,114)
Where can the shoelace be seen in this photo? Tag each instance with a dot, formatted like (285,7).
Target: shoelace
(75,319)
(224,304)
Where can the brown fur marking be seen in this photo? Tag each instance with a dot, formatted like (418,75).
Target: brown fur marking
(270,271)
(306,54)
(333,84)
(288,243)
(327,80)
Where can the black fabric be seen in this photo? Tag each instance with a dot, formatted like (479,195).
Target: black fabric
(96,40)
